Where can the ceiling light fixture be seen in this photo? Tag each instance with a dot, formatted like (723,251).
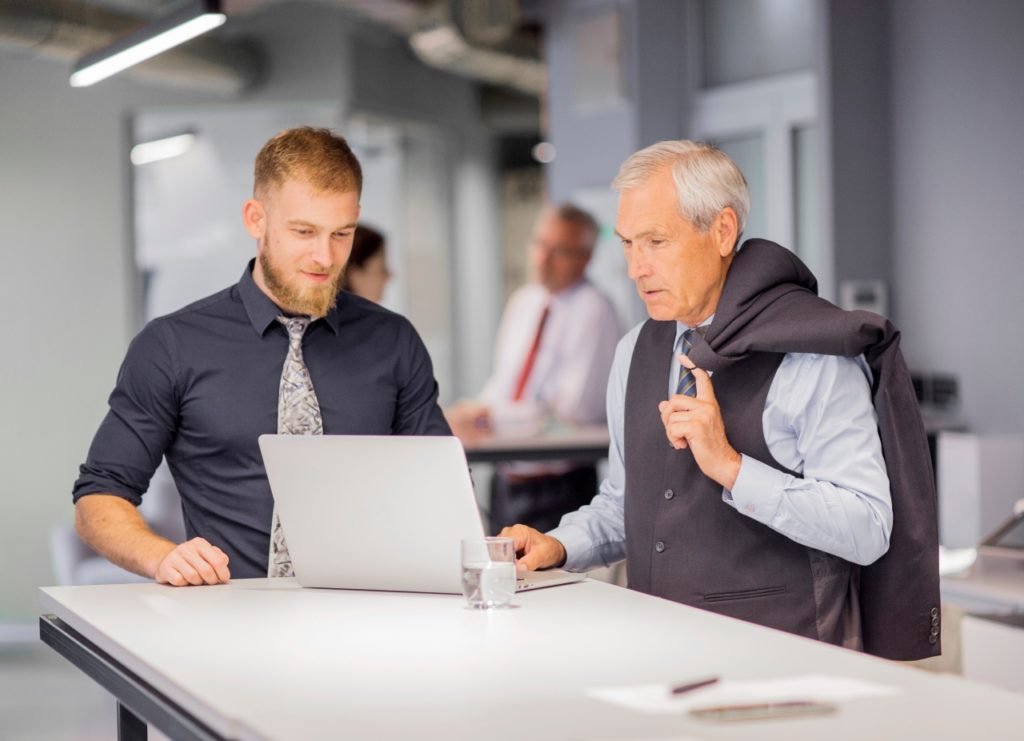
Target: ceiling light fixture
(162,149)
(193,19)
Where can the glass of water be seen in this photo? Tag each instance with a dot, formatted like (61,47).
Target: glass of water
(488,572)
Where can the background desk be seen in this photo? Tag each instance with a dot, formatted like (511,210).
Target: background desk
(986,591)
(992,647)
(266,659)
(586,444)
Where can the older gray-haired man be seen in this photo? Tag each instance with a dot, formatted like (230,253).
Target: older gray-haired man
(795,488)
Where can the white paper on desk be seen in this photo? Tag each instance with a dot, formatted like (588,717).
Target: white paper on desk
(658,699)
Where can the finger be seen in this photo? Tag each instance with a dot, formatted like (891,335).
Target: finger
(705,389)
(179,563)
(221,567)
(203,568)
(216,558)
(193,553)
(666,421)
(686,362)
(682,403)
(678,442)
(171,576)
(665,410)
(167,572)
(520,535)
(674,438)
(680,429)
(193,577)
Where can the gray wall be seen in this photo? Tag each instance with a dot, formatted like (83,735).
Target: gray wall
(958,188)
(856,118)
(68,298)
(593,141)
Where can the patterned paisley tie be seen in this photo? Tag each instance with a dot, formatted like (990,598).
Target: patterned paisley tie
(298,413)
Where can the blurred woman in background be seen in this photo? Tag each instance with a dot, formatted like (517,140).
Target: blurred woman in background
(367,271)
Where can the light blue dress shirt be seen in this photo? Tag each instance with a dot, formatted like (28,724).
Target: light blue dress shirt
(818,421)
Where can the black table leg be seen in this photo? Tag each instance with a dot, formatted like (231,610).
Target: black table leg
(130,727)
(124,685)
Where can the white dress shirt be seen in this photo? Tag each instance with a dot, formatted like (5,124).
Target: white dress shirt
(570,372)
(818,420)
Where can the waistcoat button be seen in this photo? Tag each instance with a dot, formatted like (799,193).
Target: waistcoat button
(669,493)
(659,546)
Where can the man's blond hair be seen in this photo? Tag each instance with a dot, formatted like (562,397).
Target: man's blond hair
(313,155)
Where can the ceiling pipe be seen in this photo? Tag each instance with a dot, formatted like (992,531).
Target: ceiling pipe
(479,41)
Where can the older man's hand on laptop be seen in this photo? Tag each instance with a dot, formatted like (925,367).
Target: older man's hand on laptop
(534,549)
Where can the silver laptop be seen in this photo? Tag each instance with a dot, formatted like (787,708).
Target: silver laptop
(378,512)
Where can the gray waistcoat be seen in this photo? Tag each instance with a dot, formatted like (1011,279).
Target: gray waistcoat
(685,544)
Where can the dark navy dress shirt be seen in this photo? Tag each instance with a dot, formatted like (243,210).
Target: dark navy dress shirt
(199,386)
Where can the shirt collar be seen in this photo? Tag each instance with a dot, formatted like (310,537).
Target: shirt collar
(680,328)
(263,312)
(566,292)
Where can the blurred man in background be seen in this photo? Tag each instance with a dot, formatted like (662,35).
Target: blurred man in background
(554,350)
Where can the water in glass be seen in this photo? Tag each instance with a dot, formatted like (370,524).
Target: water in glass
(490,584)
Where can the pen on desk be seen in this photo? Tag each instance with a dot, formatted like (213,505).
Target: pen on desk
(681,689)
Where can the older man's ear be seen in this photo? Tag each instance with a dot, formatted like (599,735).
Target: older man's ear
(725,230)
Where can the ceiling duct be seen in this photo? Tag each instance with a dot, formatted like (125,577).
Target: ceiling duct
(481,39)
(65,30)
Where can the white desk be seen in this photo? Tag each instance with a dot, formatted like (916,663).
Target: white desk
(406,666)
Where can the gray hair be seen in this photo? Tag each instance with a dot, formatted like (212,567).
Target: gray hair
(576,216)
(706,180)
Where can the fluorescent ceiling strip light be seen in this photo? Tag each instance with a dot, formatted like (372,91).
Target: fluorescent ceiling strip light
(177,28)
(162,149)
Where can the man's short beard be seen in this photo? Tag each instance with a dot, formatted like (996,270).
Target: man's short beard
(314,301)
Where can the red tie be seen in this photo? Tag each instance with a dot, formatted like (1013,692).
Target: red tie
(524,374)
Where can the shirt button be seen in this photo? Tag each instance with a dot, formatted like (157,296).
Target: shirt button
(659,546)
(669,493)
